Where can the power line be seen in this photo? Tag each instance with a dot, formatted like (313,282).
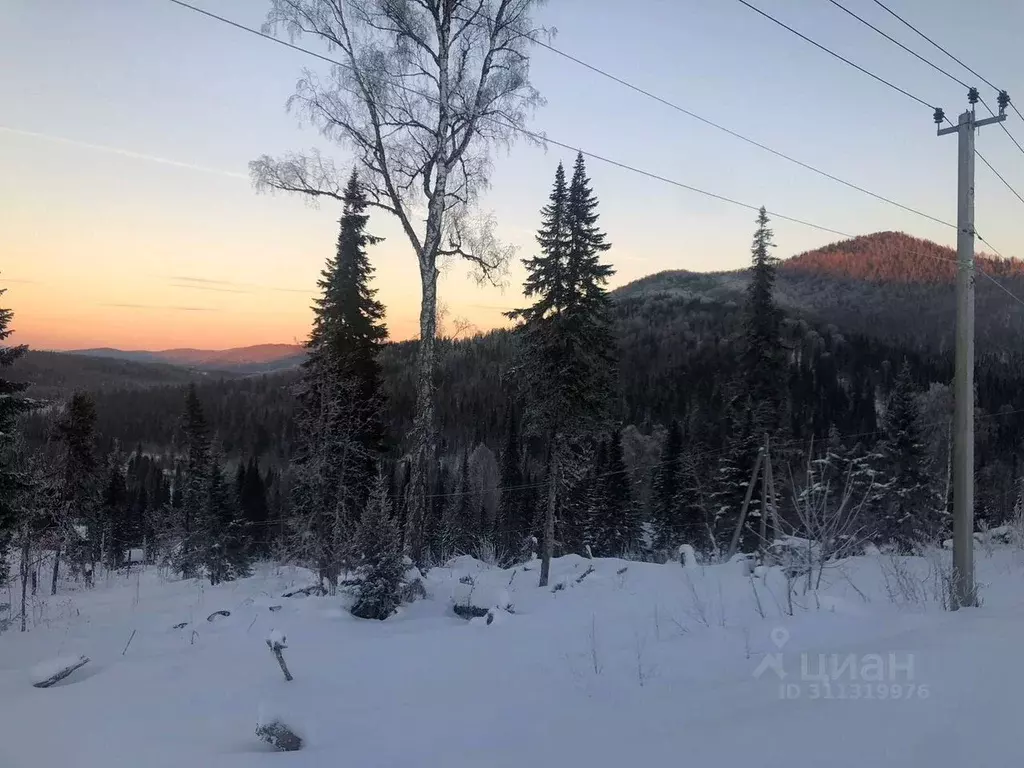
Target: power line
(723,198)
(999,175)
(543,138)
(257,32)
(740,136)
(1001,125)
(985,274)
(886,82)
(899,18)
(954,58)
(830,52)
(893,40)
(534,135)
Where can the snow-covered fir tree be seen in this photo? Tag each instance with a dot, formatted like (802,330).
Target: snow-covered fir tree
(223,543)
(668,481)
(252,500)
(910,510)
(195,482)
(340,427)
(615,525)
(381,563)
(13,403)
(79,496)
(690,502)
(514,516)
(458,532)
(764,359)
(754,400)
(114,510)
(566,342)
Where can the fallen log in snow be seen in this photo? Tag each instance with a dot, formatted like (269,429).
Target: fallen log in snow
(49,672)
(277,642)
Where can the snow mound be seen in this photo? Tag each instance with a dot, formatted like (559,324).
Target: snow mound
(276,639)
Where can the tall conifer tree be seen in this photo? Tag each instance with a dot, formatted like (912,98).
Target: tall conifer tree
(565,337)
(75,432)
(12,404)
(754,404)
(195,483)
(910,507)
(341,431)
(668,516)
(514,519)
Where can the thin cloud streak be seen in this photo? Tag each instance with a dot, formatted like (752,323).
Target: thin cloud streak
(215,288)
(123,152)
(121,305)
(205,282)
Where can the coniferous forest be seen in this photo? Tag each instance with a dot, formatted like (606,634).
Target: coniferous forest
(605,423)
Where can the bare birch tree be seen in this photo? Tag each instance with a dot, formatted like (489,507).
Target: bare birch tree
(422,92)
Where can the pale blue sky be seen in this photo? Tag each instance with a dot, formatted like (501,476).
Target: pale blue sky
(90,232)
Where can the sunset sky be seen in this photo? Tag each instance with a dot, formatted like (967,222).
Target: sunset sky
(127,218)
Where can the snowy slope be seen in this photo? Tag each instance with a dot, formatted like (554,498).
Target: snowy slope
(653,665)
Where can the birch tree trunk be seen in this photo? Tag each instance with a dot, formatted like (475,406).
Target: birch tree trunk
(424,91)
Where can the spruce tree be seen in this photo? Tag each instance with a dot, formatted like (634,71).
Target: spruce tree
(433,525)
(617,523)
(240,471)
(340,427)
(754,399)
(668,517)
(223,543)
(691,512)
(196,483)
(115,510)
(253,504)
(13,403)
(595,500)
(514,518)
(458,533)
(381,564)
(566,344)
(763,357)
(910,508)
(75,433)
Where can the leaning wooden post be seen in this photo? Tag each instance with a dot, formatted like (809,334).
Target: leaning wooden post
(743,510)
(276,644)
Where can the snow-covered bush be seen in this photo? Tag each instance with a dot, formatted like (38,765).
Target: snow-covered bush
(279,735)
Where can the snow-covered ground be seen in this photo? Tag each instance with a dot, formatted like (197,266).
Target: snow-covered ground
(632,664)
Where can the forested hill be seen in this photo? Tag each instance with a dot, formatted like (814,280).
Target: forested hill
(887,285)
(53,375)
(261,358)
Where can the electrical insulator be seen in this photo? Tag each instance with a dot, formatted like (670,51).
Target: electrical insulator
(939,116)
(972,95)
(1003,100)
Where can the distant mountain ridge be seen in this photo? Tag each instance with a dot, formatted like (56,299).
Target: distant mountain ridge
(260,358)
(888,285)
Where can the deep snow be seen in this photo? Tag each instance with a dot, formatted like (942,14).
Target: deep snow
(632,664)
